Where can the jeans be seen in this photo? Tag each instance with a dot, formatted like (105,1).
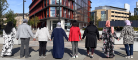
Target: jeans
(129,52)
(42,47)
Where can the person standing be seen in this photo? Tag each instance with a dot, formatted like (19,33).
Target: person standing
(43,36)
(24,33)
(58,41)
(9,34)
(108,42)
(74,37)
(91,32)
(128,36)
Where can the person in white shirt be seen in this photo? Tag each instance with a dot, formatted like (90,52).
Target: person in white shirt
(43,36)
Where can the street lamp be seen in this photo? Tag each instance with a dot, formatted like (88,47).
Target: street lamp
(59,10)
(23,8)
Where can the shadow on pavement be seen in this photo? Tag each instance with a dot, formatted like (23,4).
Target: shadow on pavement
(31,49)
(15,50)
(120,54)
(66,50)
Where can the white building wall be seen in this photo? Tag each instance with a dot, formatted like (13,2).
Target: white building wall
(127,6)
(48,24)
(63,24)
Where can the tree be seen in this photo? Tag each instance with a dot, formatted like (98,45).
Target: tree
(34,22)
(3,6)
(10,17)
(133,17)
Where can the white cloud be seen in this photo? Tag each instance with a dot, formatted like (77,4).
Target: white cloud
(132,14)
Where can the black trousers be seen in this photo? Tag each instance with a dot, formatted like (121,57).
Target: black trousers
(42,47)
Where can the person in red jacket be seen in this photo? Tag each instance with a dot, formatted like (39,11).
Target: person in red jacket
(74,37)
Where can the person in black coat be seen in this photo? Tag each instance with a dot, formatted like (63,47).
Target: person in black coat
(91,33)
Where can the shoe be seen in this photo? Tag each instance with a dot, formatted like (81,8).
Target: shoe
(73,57)
(40,56)
(76,56)
(88,55)
(131,56)
(28,56)
(44,56)
(128,57)
(91,56)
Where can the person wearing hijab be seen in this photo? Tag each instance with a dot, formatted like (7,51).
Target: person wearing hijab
(58,41)
(43,36)
(9,34)
(24,33)
(108,42)
(91,32)
(127,34)
(74,37)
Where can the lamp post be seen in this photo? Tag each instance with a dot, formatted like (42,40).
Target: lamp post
(59,10)
(23,8)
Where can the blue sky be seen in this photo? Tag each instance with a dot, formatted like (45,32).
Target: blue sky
(17,5)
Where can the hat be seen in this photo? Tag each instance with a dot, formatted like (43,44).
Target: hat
(25,20)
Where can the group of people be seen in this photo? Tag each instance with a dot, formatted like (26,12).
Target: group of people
(91,33)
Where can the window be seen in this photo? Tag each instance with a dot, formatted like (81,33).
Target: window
(103,15)
(69,14)
(57,12)
(52,1)
(44,13)
(47,12)
(112,11)
(65,13)
(47,2)
(52,11)
(57,2)
(112,16)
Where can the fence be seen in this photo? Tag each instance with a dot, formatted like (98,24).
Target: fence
(118,23)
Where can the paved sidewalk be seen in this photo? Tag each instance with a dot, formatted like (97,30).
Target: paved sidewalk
(98,55)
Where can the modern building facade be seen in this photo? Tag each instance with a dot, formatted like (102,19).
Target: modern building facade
(135,11)
(110,13)
(48,11)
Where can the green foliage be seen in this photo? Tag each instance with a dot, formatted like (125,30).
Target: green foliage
(136,28)
(34,22)
(100,29)
(91,18)
(10,16)
(133,17)
(3,6)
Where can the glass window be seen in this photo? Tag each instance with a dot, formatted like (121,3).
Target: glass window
(103,15)
(47,12)
(57,2)
(57,12)
(52,1)
(47,2)
(69,14)
(52,11)
(65,13)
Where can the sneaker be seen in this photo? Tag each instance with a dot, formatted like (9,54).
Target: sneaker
(91,56)
(73,57)
(76,56)
(131,56)
(128,57)
(88,55)
(40,56)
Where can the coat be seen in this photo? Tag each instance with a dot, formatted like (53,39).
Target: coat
(74,34)
(91,32)
(58,42)
(127,34)
(42,34)
(24,31)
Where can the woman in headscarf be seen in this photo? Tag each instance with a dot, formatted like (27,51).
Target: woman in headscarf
(108,42)
(8,35)
(91,32)
(128,37)
(58,41)
(43,36)
(74,37)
